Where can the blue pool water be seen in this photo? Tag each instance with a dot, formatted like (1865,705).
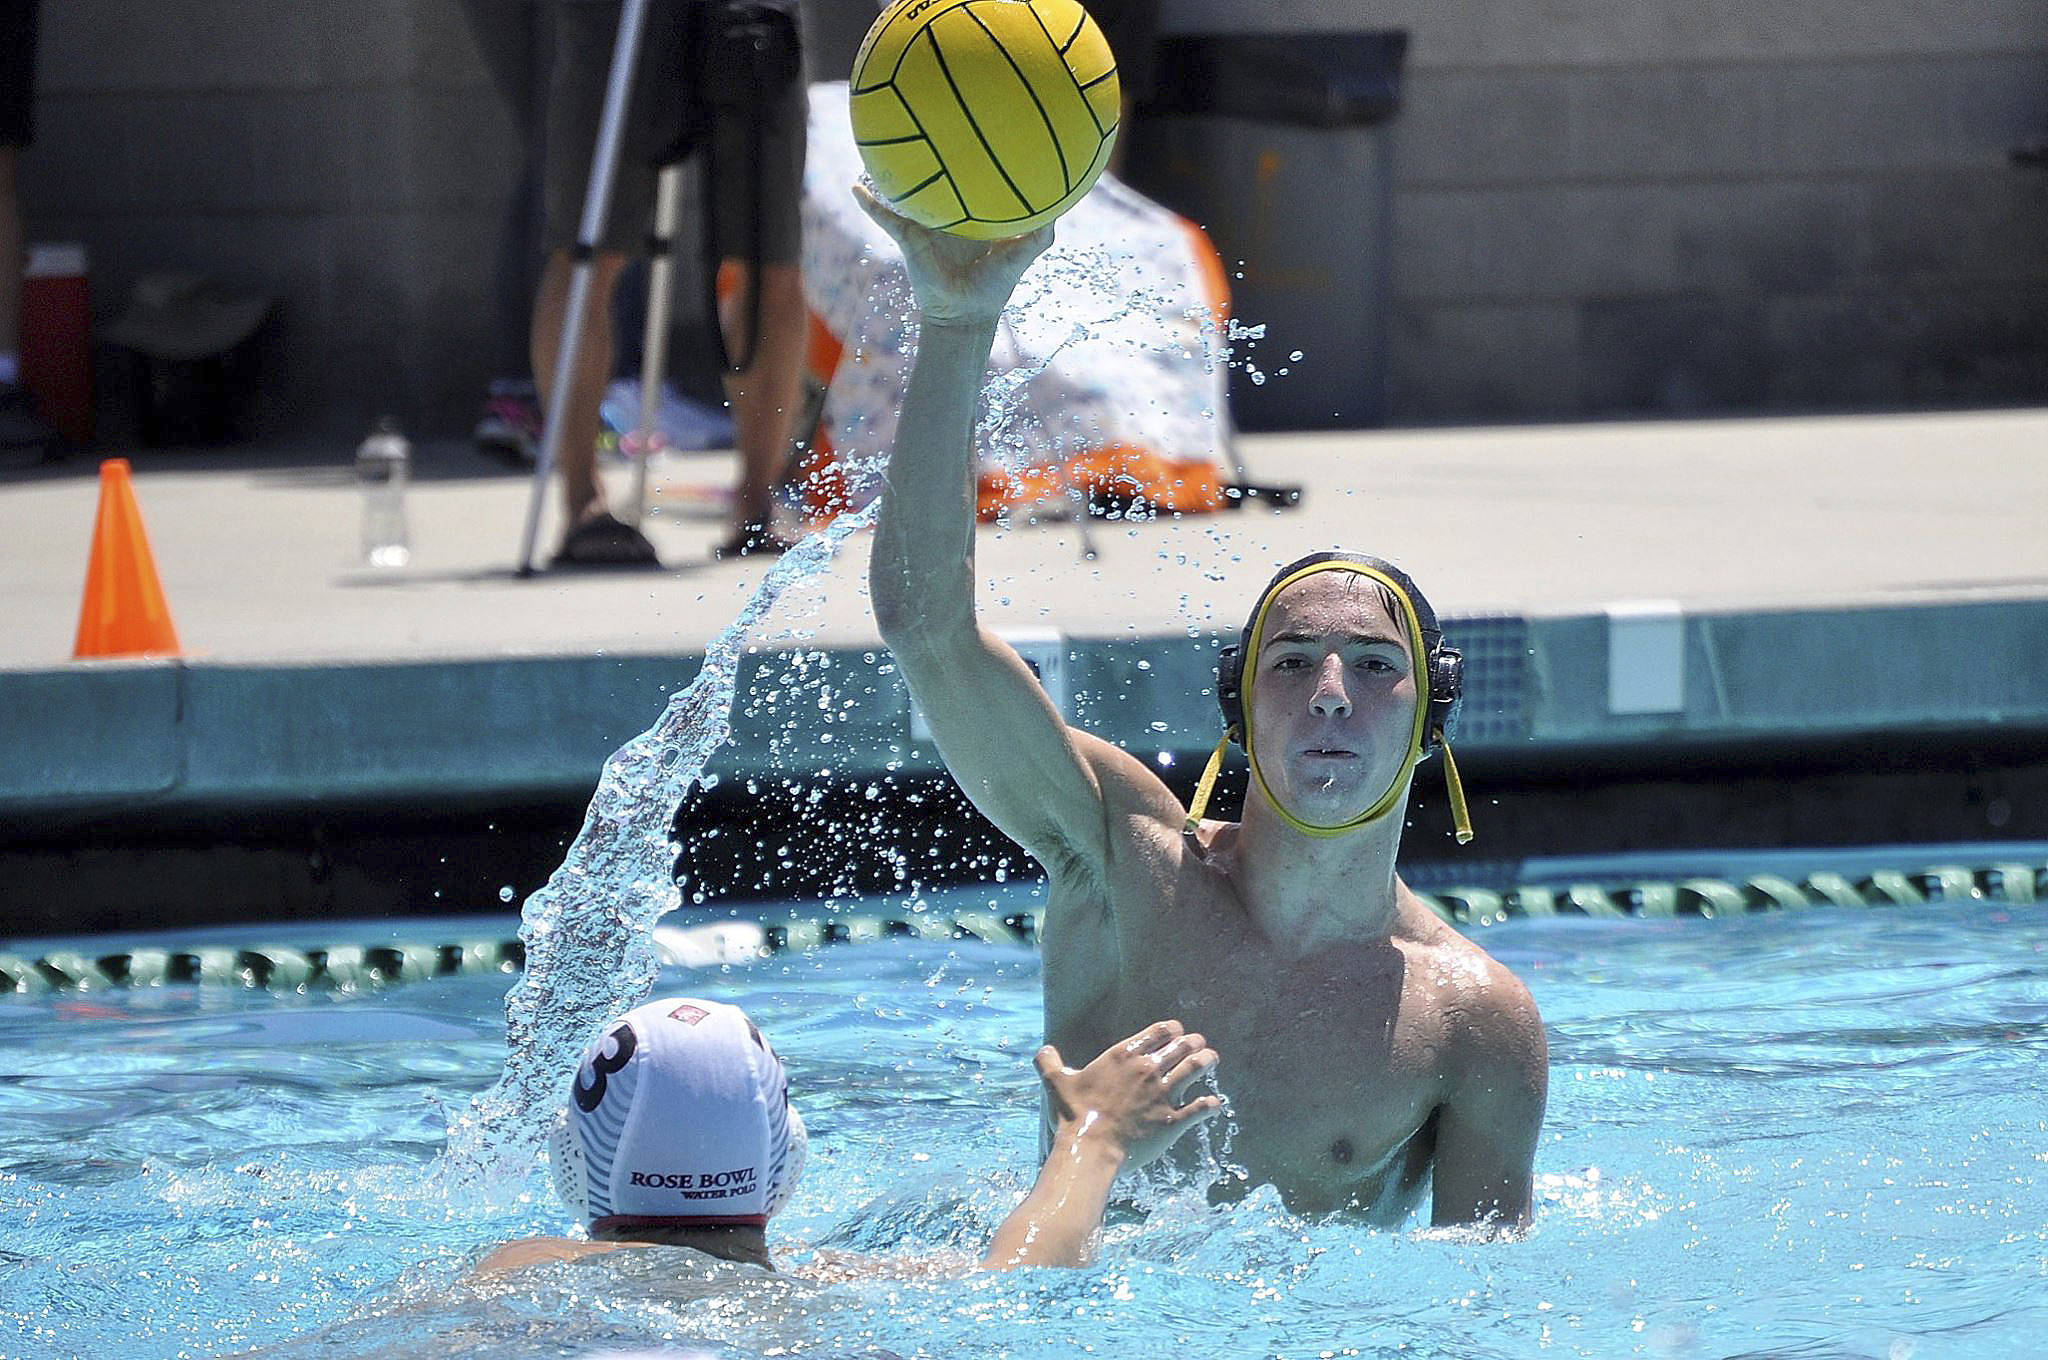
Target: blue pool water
(1822,1134)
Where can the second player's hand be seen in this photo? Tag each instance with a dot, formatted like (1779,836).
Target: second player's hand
(956,279)
(1130,1096)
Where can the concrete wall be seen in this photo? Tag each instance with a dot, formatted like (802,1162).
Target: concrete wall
(363,162)
(1610,206)
(1602,206)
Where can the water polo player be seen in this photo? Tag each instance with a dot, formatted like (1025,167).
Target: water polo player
(1375,1052)
(679,1131)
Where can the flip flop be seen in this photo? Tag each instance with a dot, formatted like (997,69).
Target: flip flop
(606,542)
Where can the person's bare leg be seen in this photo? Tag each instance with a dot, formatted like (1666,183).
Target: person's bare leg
(764,397)
(582,491)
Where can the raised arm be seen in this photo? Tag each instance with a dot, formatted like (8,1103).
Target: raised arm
(1000,736)
(1121,1110)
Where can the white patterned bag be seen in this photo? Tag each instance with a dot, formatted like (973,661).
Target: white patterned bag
(1109,373)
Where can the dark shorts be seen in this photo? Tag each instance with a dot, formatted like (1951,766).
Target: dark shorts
(17,72)
(688,93)
(1132,27)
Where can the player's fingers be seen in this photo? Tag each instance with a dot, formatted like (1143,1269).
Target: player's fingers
(1027,247)
(1191,1069)
(1167,1054)
(1047,1061)
(883,216)
(1196,1111)
(1154,1036)
(1035,240)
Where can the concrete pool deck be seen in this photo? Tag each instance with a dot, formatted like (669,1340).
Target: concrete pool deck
(1656,586)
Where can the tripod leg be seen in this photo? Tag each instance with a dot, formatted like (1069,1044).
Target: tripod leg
(661,279)
(596,200)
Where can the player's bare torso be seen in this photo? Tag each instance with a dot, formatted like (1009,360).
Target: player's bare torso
(1336,1058)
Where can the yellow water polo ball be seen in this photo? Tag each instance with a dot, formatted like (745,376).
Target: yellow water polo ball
(984,118)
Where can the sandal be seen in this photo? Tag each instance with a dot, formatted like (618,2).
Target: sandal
(606,542)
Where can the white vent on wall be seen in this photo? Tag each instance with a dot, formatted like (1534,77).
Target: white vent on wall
(1645,657)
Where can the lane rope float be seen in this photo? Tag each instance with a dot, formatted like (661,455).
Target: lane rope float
(349,966)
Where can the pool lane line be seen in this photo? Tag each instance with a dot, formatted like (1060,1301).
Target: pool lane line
(263,967)
(347,966)
(2011,883)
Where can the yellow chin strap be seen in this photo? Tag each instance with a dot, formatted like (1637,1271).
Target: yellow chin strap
(1460,815)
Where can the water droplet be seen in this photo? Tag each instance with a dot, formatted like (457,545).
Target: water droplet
(506,894)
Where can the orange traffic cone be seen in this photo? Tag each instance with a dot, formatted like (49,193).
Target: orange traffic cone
(124,613)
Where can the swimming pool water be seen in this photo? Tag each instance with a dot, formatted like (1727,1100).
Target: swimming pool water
(1820,1134)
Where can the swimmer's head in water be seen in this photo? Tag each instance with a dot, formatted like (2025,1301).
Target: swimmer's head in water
(1423,646)
(679,1118)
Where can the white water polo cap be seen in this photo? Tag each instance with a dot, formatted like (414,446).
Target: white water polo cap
(679,1118)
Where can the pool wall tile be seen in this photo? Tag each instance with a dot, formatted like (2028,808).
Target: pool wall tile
(189,736)
(90,732)
(438,729)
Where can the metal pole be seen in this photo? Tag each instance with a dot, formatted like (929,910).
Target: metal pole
(596,199)
(661,280)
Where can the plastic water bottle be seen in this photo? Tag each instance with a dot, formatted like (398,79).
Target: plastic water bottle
(383,464)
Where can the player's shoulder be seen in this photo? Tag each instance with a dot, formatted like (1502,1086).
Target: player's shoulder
(536,1250)
(1133,873)
(828,1266)
(1495,1019)
(1498,1027)
(1136,803)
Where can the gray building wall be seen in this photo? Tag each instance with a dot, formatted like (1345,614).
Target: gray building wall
(1638,206)
(363,162)
(1601,206)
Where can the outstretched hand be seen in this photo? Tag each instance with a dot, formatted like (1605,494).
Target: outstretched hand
(1130,1096)
(956,279)
(1120,1111)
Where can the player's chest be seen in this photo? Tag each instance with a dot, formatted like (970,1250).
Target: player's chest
(1322,1116)
(1333,1062)
(1333,1105)
(1325,1034)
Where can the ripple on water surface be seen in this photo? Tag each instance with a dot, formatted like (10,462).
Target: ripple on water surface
(1814,1135)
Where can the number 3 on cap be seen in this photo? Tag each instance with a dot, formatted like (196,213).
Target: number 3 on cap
(590,1094)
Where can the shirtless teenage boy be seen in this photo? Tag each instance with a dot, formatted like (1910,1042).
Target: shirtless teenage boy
(1375,1051)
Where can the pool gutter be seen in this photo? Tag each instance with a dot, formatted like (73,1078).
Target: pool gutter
(177,739)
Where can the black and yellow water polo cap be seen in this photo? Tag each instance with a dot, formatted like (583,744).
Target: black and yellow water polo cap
(1445,667)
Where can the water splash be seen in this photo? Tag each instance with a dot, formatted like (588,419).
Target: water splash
(589,933)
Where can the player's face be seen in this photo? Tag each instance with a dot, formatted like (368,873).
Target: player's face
(1331,697)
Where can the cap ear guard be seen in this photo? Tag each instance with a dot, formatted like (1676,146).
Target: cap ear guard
(1446,693)
(783,1188)
(1230,689)
(571,1168)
